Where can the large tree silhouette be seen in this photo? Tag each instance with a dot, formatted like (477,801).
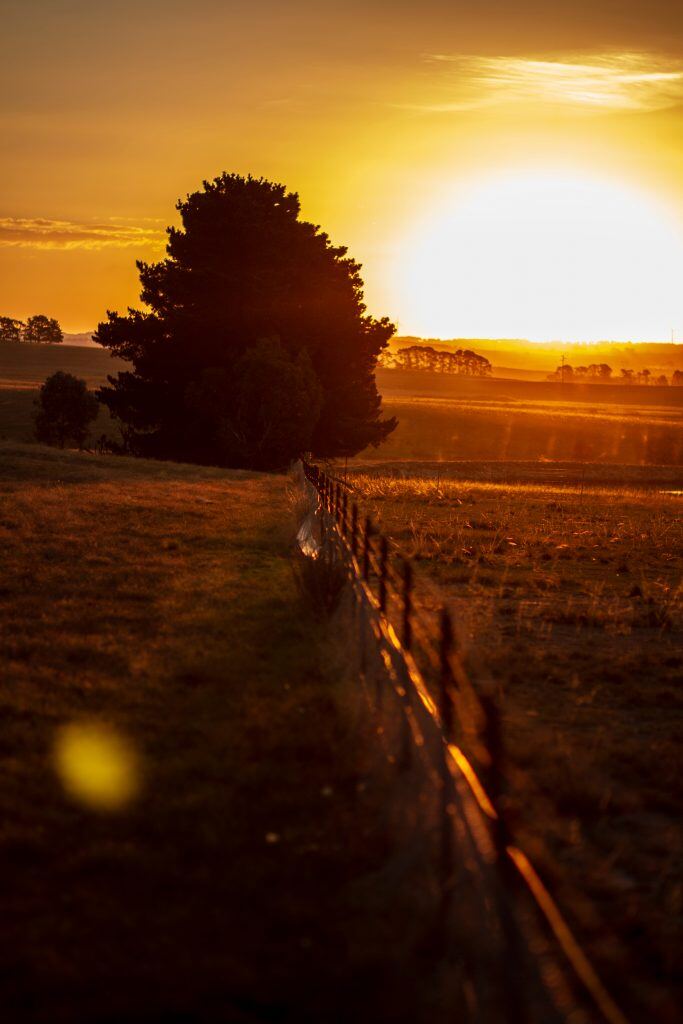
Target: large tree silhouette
(244,270)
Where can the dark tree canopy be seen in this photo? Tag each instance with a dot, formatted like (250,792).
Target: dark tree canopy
(42,330)
(65,410)
(262,411)
(250,301)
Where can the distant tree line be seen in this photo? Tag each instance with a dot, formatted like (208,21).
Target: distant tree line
(424,357)
(37,330)
(601,373)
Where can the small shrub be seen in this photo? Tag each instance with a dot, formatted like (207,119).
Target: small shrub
(65,410)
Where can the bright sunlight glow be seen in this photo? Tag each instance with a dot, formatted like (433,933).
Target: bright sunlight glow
(544,256)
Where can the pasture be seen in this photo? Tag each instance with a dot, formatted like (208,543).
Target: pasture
(567,596)
(23,368)
(159,599)
(445,417)
(150,609)
(440,417)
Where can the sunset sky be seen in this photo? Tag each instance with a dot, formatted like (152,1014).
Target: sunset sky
(500,168)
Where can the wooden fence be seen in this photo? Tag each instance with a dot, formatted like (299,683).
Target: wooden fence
(523,962)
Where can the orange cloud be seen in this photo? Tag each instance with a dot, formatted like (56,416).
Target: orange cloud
(47,233)
(608,81)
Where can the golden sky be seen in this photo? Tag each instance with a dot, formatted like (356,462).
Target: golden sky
(500,168)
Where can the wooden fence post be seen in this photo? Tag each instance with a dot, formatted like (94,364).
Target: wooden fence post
(445,674)
(366,547)
(513,993)
(354,529)
(383,569)
(344,512)
(407,604)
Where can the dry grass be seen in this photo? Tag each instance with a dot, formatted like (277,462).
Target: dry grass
(159,599)
(570,598)
(502,426)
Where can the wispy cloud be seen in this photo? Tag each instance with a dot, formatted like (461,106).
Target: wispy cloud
(113,233)
(609,81)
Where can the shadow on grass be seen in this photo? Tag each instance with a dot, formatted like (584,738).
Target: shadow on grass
(43,466)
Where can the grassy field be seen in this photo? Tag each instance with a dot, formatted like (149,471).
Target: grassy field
(213,873)
(567,594)
(405,384)
(439,416)
(23,368)
(444,417)
(27,366)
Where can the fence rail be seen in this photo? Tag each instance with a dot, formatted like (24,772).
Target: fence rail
(536,969)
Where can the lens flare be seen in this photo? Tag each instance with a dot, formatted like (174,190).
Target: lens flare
(97,766)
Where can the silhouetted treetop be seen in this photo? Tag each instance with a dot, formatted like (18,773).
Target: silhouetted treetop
(42,330)
(38,330)
(243,268)
(10,329)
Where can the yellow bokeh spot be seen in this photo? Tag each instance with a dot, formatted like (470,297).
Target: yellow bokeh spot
(96,765)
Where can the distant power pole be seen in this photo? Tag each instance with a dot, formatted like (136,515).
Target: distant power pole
(562,369)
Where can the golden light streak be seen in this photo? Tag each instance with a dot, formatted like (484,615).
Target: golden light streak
(473,782)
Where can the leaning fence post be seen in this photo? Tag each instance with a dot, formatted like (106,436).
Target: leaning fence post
(337,502)
(407,604)
(383,566)
(354,529)
(367,538)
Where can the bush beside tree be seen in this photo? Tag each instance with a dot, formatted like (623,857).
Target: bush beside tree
(263,412)
(65,410)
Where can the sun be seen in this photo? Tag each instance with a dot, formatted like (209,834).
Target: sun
(550,255)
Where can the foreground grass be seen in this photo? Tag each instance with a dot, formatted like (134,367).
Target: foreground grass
(159,599)
(569,597)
